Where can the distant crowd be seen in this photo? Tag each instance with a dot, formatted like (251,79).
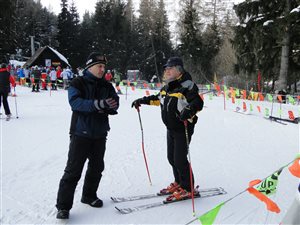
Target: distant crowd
(39,77)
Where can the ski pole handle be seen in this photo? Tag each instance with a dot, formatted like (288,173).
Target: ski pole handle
(185,123)
(138,109)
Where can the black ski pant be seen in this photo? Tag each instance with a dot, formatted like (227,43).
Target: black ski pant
(36,85)
(177,157)
(53,85)
(80,150)
(3,98)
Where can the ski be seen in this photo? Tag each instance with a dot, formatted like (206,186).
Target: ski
(273,118)
(6,118)
(147,196)
(161,203)
(244,112)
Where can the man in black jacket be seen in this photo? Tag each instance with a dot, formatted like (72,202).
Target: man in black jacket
(4,89)
(36,73)
(92,99)
(180,101)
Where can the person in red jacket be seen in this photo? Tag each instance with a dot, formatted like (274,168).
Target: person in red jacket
(5,80)
(44,76)
(59,77)
(12,81)
(108,76)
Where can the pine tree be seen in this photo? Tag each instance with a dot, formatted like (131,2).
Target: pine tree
(264,38)
(7,29)
(120,28)
(212,43)
(75,45)
(85,36)
(130,36)
(192,47)
(29,18)
(294,18)
(65,24)
(111,28)
(225,59)
(145,27)
(129,14)
(162,40)
(101,27)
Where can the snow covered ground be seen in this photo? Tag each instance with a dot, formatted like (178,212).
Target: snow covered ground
(228,149)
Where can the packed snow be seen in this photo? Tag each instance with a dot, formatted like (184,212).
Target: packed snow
(228,150)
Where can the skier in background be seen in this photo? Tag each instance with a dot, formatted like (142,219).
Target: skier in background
(108,76)
(5,80)
(36,74)
(53,78)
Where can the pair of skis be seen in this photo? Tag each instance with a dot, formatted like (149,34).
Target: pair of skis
(203,193)
(282,120)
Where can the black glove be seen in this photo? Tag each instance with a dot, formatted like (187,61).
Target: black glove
(108,104)
(137,103)
(186,113)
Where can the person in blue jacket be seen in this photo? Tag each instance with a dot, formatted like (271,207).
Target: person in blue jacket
(92,100)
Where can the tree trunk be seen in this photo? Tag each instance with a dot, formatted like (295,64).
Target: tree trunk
(273,84)
(284,65)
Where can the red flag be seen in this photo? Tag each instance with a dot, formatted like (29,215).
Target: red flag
(261,97)
(271,206)
(258,108)
(291,115)
(295,168)
(218,88)
(254,182)
(258,80)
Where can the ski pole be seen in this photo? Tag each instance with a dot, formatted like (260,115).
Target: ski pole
(138,110)
(272,104)
(16,105)
(224,100)
(190,163)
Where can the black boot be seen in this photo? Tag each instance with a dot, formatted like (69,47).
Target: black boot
(62,214)
(97,203)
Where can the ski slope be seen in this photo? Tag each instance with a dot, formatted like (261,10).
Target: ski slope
(228,149)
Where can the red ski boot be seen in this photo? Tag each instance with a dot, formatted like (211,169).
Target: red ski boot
(170,189)
(182,194)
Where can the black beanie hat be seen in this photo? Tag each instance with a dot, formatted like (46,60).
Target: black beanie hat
(95,58)
(174,61)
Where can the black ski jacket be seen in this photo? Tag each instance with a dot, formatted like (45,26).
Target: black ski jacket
(173,97)
(86,120)
(4,80)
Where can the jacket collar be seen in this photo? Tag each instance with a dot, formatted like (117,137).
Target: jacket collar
(89,75)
